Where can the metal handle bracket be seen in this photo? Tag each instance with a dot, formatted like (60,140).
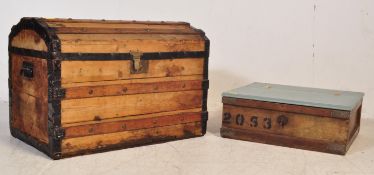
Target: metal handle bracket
(27,69)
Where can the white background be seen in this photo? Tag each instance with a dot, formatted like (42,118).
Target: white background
(315,43)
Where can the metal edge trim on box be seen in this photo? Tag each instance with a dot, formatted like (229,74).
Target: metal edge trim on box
(108,56)
(204,116)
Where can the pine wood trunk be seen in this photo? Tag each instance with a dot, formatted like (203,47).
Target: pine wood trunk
(85,86)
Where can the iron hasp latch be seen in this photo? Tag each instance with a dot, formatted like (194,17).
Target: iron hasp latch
(138,65)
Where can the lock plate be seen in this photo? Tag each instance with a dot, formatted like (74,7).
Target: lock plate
(137,64)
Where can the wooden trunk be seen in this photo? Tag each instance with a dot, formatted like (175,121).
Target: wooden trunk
(84,86)
(306,118)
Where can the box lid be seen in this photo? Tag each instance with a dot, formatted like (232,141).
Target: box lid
(314,97)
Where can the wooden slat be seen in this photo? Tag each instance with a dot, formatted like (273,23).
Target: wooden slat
(62,20)
(83,71)
(113,38)
(85,144)
(124,43)
(134,124)
(299,125)
(132,117)
(131,88)
(98,108)
(95,30)
(130,81)
(36,86)
(118,25)
(29,39)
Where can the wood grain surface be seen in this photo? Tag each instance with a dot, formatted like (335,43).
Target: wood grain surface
(30,97)
(99,108)
(29,39)
(132,123)
(124,43)
(83,71)
(299,125)
(76,145)
(131,88)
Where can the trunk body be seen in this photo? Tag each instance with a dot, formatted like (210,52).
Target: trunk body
(84,86)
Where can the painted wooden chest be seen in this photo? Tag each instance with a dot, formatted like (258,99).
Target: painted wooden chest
(83,86)
(307,118)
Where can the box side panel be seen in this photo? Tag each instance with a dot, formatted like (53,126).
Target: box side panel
(285,123)
(106,105)
(29,102)
(161,105)
(354,125)
(38,91)
(355,118)
(102,89)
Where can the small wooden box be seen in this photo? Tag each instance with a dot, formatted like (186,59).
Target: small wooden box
(84,86)
(307,118)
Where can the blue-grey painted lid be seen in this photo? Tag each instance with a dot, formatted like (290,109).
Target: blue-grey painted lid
(322,98)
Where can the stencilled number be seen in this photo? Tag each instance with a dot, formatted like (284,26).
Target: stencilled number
(254,121)
(227,118)
(267,122)
(239,119)
(258,122)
